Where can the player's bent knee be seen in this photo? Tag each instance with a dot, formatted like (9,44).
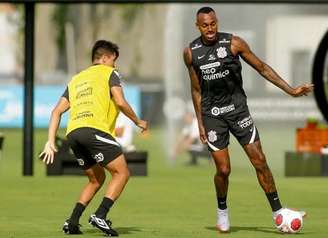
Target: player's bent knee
(223,171)
(128,172)
(122,176)
(96,182)
(125,173)
(101,179)
(122,172)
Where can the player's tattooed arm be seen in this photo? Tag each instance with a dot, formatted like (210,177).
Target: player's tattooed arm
(195,92)
(239,46)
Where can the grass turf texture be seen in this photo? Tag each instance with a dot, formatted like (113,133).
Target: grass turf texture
(173,201)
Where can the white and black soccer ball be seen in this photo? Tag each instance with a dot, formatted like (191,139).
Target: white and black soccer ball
(289,221)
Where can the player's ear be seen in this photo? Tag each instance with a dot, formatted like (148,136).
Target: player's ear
(103,58)
(114,57)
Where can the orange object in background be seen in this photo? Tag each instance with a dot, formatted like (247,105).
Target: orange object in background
(311,138)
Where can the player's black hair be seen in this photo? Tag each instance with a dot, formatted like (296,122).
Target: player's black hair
(101,47)
(205,10)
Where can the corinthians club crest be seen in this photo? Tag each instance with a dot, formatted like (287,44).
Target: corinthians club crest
(221,52)
(99,157)
(80,161)
(212,137)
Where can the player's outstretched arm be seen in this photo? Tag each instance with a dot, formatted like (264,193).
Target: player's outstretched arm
(50,148)
(124,107)
(239,46)
(195,92)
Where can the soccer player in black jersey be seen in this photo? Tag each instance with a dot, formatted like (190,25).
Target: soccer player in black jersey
(220,104)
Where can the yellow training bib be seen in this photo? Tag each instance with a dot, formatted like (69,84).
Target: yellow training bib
(91,104)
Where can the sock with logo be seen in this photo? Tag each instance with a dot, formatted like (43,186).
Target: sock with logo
(76,214)
(104,207)
(274,201)
(222,202)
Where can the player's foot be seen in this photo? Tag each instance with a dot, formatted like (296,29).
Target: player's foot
(103,225)
(70,229)
(275,214)
(223,223)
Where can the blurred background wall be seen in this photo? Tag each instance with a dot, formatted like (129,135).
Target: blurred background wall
(151,39)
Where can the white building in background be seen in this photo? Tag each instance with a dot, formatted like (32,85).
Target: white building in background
(8,42)
(291,44)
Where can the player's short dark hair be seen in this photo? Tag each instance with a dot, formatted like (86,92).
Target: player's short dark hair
(102,47)
(205,10)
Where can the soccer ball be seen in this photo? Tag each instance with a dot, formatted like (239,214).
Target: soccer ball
(289,221)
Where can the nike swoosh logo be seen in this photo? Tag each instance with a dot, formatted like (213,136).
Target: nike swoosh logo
(200,57)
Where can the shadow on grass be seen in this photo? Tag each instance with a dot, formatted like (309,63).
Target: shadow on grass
(264,229)
(127,230)
(247,228)
(120,230)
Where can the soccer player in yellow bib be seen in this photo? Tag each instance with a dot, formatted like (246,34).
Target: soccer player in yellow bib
(94,98)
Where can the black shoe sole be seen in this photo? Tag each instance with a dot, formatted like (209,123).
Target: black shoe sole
(111,232)
(67,232)
(73,231)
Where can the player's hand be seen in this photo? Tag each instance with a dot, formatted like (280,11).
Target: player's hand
(202,134)
(302,90)
(48,153)
(143,125)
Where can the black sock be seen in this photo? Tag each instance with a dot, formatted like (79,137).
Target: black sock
(76,214)
(274,201)
(104,207)
(222,202)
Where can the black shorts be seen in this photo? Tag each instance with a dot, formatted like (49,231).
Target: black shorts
(91,146)
(239,122)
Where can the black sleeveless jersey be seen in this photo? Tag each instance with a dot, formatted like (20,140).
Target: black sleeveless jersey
(219,74)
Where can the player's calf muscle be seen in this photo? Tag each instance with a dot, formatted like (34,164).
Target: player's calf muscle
(266,179)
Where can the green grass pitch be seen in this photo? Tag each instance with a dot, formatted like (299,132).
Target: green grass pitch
(173,201)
